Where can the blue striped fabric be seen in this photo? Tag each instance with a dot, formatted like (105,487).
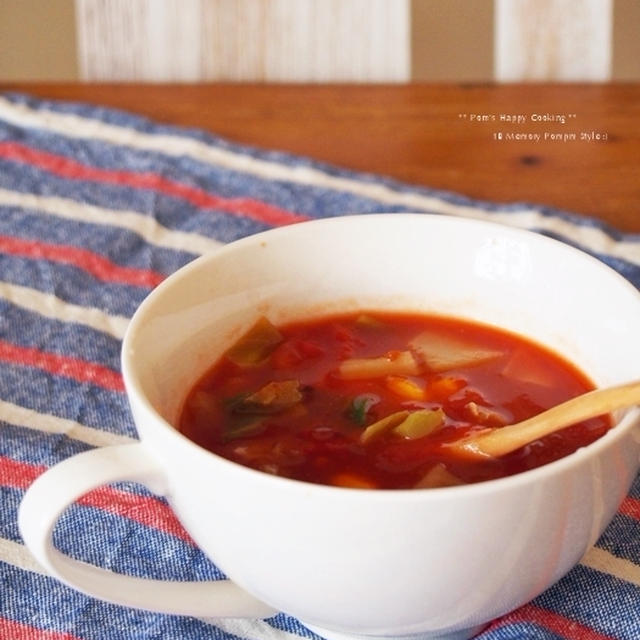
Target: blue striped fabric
(97,206)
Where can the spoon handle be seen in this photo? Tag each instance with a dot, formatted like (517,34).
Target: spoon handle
(498,442)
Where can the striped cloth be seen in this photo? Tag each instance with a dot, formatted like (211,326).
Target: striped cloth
(96,208)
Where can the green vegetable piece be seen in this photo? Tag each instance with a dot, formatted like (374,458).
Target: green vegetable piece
(244,429)
(256,345)
(381,426)
(272,398)
(419,424)
(359,407)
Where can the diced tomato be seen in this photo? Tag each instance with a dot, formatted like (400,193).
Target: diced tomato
(292,352)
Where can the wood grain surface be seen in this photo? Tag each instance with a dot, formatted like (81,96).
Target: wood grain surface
(429,135)
(274,40)
(553,40)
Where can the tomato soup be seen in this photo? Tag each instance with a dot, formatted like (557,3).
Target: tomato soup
(375,399)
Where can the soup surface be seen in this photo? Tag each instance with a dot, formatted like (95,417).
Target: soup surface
(372,400)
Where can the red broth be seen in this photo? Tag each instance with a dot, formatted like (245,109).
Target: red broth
(370,400)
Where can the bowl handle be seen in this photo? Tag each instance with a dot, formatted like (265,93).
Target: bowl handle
(61,485)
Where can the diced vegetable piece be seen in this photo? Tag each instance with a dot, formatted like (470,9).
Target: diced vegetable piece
(272,398)
(366,320)
(291,353)
(405,387)
(359,407)
(400,363)
(419,424)
(442,388)
(520,367)
(385,424)
(270,468)
(244,430)
(442,352)
(252,450)
(352,481)
(202,402)
(438,476)
(484,415)
(256,345)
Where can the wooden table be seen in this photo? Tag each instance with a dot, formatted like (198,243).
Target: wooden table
(501,143)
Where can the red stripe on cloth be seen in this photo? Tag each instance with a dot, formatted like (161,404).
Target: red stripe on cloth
(75,368)
(13,630)
(145,510)
(96,265)
(630,507)
(18,475)
(554,622)
(67,168)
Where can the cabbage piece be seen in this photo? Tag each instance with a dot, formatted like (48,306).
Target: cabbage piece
(438,476)
(272,398)
(383,425)
(419,424)
(256,345)
(520,367)
(441,352)
(398,363)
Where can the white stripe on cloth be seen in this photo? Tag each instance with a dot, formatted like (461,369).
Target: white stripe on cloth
(251,629)
(605,562)
(17,555)
(73,126)
(22,417)
(141,224)
(50,306)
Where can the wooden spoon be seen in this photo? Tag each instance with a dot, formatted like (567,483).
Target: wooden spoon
(498,442)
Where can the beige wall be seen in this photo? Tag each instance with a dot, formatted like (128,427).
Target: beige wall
(626,40)
(450,40)
(37,40)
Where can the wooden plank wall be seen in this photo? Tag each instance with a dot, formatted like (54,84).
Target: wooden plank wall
(320,40)
(238,40)
(563,40)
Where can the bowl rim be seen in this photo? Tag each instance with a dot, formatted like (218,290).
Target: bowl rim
(583,455)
